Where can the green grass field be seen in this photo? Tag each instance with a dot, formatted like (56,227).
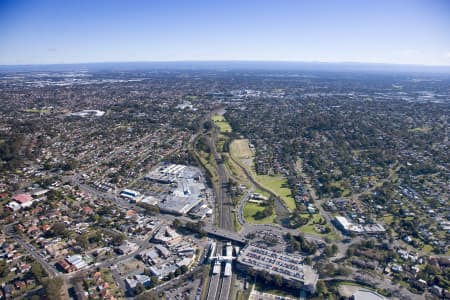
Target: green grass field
(220,122)
(420,129)
(250,209)
(237,225)
(278,184)
(388,219)
(310,227)
(237,173)
(221,140)
(208,163)
(344,191)
(427,248)
(240,149)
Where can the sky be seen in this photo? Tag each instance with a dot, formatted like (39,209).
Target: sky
(80,31)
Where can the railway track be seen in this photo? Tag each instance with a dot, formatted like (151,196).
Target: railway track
(219,286)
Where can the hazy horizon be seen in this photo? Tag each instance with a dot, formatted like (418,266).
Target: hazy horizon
(289,66)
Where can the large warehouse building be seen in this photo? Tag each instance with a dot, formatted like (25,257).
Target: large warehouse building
(186,187)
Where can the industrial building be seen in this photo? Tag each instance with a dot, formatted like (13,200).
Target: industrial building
(289,267)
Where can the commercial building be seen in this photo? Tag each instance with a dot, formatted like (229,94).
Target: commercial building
(132,282)
(164,260)
(167,236)
(163,251)
(150,200)
(178,205)
(127,248)
(72,263)
(20,201)
(130,194)
(348,227)
(289,267)
(88,112)
(76,261)
(374,229)
(200,211)
(65,266)
(186,190)
(165,173)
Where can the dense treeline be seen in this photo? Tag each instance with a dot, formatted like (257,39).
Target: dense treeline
(10,147)
(339,139)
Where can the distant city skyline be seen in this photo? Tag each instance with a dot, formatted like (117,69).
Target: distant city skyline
(383,31)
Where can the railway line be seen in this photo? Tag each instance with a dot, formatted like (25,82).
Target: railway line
(220,285)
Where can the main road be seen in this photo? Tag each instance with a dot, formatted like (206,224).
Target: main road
(9,230)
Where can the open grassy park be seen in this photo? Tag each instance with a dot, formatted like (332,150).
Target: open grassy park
(251,209)
(312,226)
(277,184)
(222,123)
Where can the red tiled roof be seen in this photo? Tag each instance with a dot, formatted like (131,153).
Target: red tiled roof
(87,210)
(22,198)
(131,212)
(46,227)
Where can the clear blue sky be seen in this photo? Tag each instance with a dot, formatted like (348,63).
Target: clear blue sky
(384,31)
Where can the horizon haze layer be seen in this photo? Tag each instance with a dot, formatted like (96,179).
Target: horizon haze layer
(228,65)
